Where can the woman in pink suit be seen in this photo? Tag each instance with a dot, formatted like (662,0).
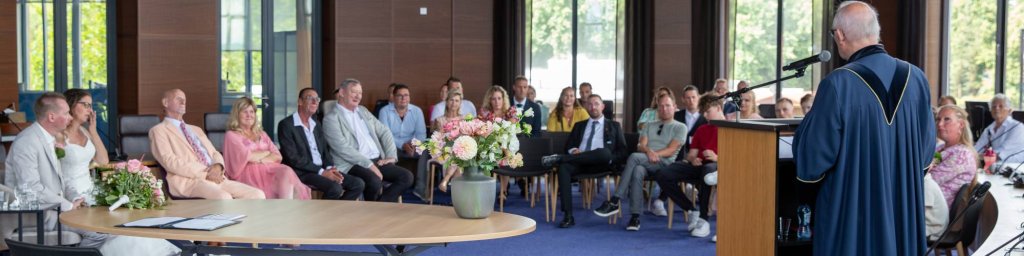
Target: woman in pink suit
(250,156)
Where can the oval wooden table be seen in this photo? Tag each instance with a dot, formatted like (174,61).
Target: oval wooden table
(388,226)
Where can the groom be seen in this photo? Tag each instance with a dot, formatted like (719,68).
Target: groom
(33,163)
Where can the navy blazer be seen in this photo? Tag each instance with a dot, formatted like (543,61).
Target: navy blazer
(614,139)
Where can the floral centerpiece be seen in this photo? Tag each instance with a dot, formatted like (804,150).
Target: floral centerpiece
(131,179)
(477,146)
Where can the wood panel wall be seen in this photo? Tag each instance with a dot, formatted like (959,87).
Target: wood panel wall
(673,47)
(9,54)
(381,42)
(165,45)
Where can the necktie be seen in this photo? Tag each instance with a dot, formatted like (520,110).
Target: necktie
(587,146)
(194,143)
(519,106)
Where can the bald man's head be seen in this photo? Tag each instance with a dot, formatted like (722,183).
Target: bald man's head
(174,103)
(855,26)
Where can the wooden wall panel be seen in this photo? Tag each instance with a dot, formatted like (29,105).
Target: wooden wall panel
(422,66)
(474,71)
(370,63)
(362,18)
(673,47)
(409,24)
(9,54)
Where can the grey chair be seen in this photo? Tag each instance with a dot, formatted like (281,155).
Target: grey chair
(216,125)
(22,248)
(133,134)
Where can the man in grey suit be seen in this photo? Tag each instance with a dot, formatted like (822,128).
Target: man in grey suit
(362,146)
(33,164)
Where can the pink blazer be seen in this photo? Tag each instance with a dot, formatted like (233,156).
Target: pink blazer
(175,155)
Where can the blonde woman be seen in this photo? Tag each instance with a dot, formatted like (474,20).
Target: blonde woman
(250,156)
(451,113)
(956,166)
(748,106)
(496,104)
(567,112)
(651,114)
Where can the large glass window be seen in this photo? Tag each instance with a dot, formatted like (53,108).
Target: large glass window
(1014,55)
(600,34)
(84,41)
(754,54)
(972,50)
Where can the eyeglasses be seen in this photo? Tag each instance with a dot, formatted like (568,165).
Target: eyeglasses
(312,99)
(86,104)
(659,129)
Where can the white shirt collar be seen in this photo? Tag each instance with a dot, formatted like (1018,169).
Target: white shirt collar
(520,102)
(343,108)
(176,122)
(298,122)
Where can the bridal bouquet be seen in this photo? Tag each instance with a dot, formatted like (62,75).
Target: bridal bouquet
(131,179)
(485,143)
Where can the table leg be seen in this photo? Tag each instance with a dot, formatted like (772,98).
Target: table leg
(392,250)
(59,235)
(21,229)
(39,226)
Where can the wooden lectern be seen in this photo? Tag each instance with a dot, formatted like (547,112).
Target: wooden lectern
(757,186)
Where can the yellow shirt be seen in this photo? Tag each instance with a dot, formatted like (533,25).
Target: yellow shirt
(578,114)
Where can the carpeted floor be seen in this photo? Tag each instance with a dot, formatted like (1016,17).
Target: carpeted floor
(592,235)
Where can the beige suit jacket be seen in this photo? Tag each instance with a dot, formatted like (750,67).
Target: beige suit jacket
(176,156)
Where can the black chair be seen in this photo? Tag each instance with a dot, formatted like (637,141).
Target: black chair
(533,149)
(979,115)
(1019,115)
(960,238)
(609,109)
(216,125)
(766,110)
(133,134)
(377,106)
(22,248)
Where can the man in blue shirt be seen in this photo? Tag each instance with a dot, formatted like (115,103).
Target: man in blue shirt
(405,121)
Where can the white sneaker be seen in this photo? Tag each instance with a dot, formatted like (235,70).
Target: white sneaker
(711,178)
(692,216)
(714,239)
(703,228)
(658,208)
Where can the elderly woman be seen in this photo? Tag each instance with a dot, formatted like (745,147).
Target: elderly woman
(651,114)
(567,112)
(1005,136)
(251,157)
(748,106)
(956,166)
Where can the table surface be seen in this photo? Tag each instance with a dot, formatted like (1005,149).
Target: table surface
(311,222)
(1010,209)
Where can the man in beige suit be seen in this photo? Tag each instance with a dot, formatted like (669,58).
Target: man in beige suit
(194,167)
(34,167)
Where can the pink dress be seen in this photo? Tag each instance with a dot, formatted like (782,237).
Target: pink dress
(275,179)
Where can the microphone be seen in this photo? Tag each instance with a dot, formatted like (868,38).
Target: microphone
(800,64)
(979,192)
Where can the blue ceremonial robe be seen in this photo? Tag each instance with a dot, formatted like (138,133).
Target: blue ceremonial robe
(868,146)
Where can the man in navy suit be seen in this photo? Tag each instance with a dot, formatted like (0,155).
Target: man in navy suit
(592,145)
(521,87)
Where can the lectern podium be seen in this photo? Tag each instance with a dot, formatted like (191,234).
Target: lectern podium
(757,186)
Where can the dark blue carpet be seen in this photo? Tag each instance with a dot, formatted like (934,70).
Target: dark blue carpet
(592,235)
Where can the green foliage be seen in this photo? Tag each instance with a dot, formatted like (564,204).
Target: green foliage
(93,44)
(972,45)
(755,34)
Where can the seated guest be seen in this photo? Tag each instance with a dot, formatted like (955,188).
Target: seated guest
(699,169)
(544,110)
(748,106)
(936,211)
(947,100)
(33,166)
(362,146)
(305,150)
(593,145)
(1005,135)
(522,104)
(806,102)
(651,114)
(495,105)
(194,167)
(444,93)
(721,88)
(689,115)
(468,108)
(659,143)
(784,108)
(451,114)
(405,121)
(391,99)
(585,90)
(956,167)
(566,113)
(82,148)
(250,156)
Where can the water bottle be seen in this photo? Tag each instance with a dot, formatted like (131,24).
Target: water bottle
(803,214)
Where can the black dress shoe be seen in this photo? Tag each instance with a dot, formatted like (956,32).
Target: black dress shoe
(567,222)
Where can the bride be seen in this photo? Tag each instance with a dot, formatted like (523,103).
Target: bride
(79,153)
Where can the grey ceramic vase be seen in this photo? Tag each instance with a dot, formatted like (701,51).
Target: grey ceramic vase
(473,194)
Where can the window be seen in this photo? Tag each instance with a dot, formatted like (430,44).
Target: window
(599,38)
(972,50)
(754,54)
(84,42)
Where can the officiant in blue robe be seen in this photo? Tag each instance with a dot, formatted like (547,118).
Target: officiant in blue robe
(867,140)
